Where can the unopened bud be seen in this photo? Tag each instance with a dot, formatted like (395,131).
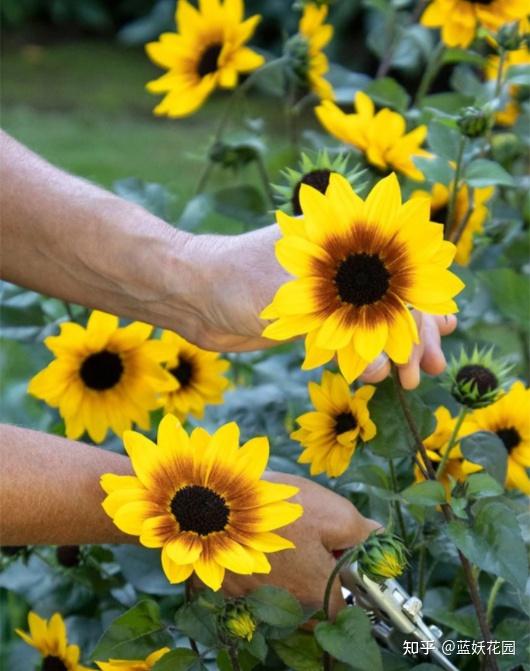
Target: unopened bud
(474,122)
(382,556)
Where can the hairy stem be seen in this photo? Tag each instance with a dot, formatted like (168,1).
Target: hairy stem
(452,441)
(492,597)
(430,72)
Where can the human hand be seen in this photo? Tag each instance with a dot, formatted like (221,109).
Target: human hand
(330,522)
(242,276)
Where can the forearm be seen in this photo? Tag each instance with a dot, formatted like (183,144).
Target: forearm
(67,238)
(50,491)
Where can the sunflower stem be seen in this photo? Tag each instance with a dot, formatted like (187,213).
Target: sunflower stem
(430,72)
(223,122)
(500,73)
(448,514)
(452,441)
(454,189)
(348,556)
(234,660)
(492,597)
(457,231)
(399,516)
(187,599)
(69,312)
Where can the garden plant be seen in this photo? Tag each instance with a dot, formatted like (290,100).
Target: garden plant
(399,188)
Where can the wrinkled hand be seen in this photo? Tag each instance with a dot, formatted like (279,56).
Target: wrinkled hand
(242,276)
(330,522)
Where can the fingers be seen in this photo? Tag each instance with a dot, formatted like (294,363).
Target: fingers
(433,359)
(446,323)
(377,371)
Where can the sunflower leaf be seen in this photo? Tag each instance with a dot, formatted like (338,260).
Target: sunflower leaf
(134,634)
(487,449)
(482,172)
(349,639)
(299,652)
(428,493)
(275,606)
(494,542)
(180,659)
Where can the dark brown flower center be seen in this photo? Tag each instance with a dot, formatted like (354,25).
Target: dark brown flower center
(318,179)
(362,279)
(183,371)
(439,214)
(208,61)
(102,370)
(200,509)
(510,437)
(345,422)
(483,378)
(52,663)
(482,2)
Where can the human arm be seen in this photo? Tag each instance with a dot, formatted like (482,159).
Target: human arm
(67,238)
(50,494)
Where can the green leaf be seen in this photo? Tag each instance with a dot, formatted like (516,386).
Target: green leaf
(482,485)
(180,659)
(482,172)
(435,169)
(444,141)
(393,438)
(153,197)
(275,606)
(349,639)
(487,449)
(510,291)
(428,493)
(518,75)
(134,634)
(388,92)
(494,542)
(299,652)
(257,646)
(197,623)
(456,55)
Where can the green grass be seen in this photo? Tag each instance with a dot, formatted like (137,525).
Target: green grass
(84,107)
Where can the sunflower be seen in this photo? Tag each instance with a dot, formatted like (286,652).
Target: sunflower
(359,266)
(201,500)
(133,664)
(207,52)
(50,639)
(330,433)
(459,19)
(317,35)
(440,195)
(509,418)
(103,376)
(315,172)
(199,376)
(456,468)
(381,136)
(520,57)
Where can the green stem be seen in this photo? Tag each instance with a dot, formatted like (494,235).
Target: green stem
(265,178)
(455,234)
(187,598)
(232,653)
(492,597)
(421,571)
(500,73)
(399,517)
(452,441)
(69,311)
(449,517)
(430,72)
(454,189)
(223,122)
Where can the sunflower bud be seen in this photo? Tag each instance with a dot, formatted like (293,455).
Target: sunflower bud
(314,171)
(477,380)
(237,621)
(474,122)
(506,147)
(233,154)
(509,37)
(297,51)
(382,556)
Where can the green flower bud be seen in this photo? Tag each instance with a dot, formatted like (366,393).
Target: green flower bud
(508,38)
(297,51)
(474,122)
(233,154)
(382,556)
(477,380)
(237,621)
(506,147)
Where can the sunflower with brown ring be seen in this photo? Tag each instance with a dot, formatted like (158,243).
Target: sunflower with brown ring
(103,376)
(360,265)
(208,52)
(509,419)
(49,637)
(200,498)
(199,375)
(330,433)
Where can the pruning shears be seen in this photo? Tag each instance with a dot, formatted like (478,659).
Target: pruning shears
(396,616)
